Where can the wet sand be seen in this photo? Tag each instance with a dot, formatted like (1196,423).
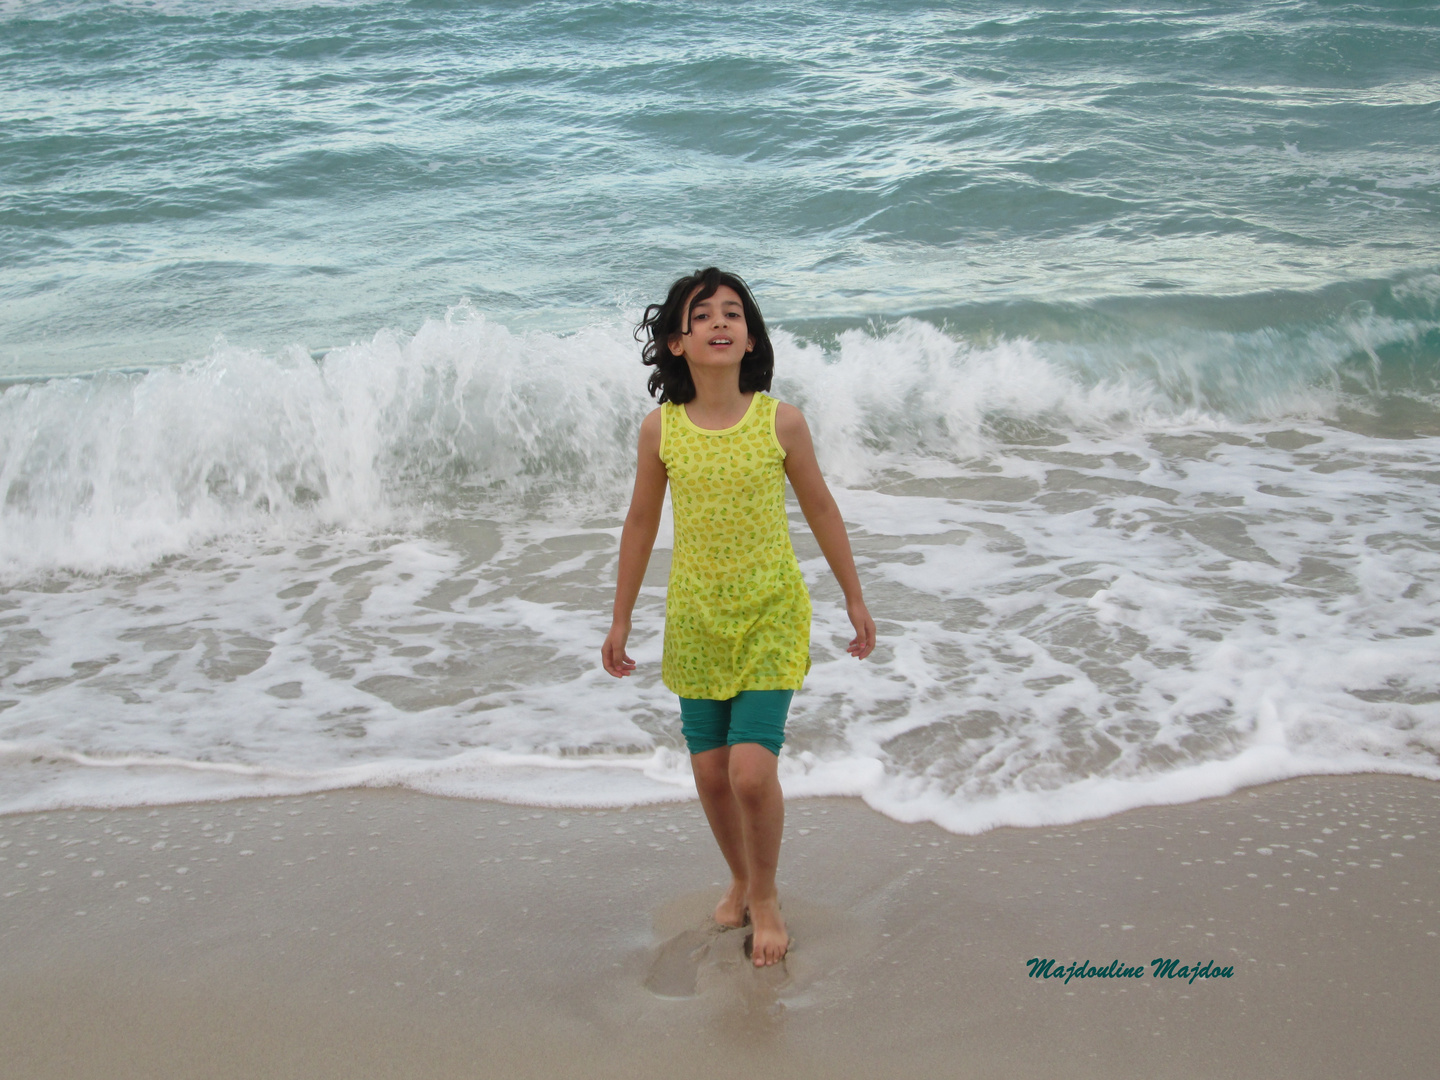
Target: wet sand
(382,933)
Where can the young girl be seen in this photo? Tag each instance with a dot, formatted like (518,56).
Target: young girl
(737,614)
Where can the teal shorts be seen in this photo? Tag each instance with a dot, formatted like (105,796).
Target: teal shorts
(756,716)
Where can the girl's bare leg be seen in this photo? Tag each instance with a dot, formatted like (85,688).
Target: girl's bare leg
(756,789)
(712,780)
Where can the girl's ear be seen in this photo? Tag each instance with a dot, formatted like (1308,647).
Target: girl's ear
(675,345)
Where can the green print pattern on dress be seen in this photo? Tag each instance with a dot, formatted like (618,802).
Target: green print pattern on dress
(737,613)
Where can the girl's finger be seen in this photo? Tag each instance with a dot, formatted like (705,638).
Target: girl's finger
(619,668)
(864,642)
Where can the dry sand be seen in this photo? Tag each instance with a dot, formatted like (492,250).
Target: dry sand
(388,934)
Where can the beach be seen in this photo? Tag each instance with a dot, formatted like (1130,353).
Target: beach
(386,933)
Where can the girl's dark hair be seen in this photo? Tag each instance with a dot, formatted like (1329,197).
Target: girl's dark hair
(671,381)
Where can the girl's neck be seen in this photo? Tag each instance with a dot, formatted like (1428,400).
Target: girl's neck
(718,401)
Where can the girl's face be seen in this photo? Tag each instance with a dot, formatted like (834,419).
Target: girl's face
(715,334)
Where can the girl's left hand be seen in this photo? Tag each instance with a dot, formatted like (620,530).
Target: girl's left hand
(864,642)
(612,653)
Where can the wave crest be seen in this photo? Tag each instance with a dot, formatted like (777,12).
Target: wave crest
(116,470)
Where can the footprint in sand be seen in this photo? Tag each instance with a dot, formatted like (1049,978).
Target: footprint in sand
(676,967)
(697,957)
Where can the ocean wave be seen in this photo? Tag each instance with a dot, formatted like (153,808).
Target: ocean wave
(117,470)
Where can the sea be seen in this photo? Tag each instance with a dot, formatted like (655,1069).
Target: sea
(1117,326)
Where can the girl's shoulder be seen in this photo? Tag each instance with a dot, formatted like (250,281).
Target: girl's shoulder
(790,428)
(651,430)
(786,414)
(780,410)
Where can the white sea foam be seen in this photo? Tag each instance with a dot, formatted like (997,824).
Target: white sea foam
(115,471)
(395,568)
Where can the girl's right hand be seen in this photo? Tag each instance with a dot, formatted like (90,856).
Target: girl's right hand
(864,643)
(612,653)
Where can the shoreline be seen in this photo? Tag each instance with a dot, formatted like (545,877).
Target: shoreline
(381,932)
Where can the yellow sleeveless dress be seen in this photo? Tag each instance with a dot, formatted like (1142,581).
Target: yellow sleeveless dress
(737,613)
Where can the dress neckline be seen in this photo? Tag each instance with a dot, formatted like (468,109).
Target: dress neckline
(726,430)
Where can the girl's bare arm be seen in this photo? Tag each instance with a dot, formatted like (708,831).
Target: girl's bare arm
(819,508)
(636,541)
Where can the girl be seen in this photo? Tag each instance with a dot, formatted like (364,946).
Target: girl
(737,614)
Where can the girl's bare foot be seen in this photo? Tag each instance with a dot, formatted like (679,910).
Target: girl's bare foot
(770,940)
(730,912)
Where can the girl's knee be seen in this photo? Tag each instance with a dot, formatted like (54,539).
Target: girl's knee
(712,772)
(712,785)
(752,778)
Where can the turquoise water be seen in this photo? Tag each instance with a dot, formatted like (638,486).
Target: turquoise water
(1118,330)
(284,172)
